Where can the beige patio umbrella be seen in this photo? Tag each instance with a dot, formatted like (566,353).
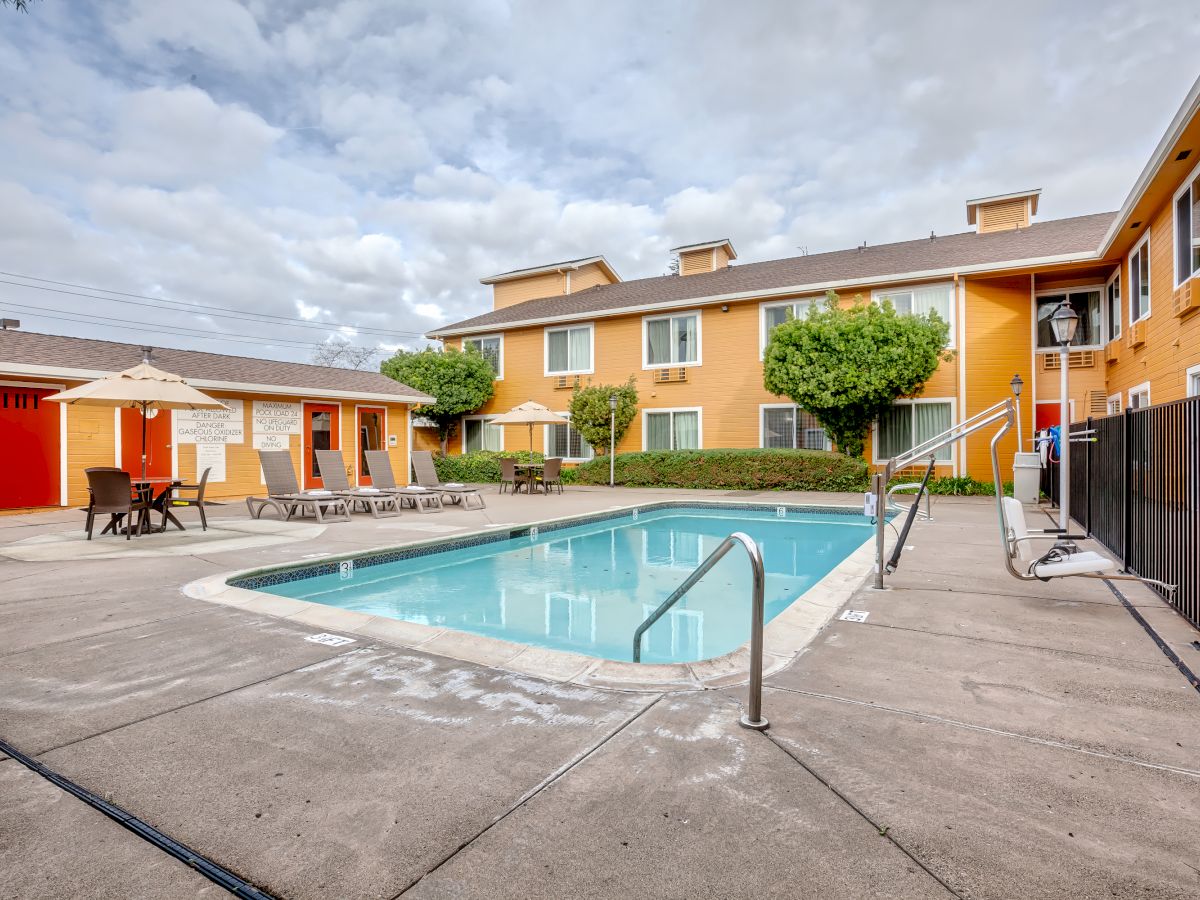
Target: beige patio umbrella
(529,413)
(142,387)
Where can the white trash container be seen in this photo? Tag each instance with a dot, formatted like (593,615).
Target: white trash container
(1027,477)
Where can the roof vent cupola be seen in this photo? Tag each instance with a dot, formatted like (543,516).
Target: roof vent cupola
(711,256)
(1003,212)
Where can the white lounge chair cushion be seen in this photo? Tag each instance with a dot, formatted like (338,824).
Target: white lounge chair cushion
(1082,563)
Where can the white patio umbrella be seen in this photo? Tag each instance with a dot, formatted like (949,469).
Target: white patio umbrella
(142,387)
(529,413)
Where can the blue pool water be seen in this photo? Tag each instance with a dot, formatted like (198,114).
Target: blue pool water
(586,588)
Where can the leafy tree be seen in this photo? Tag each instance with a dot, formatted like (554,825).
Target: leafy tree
(590,414)
(343,355)
(847,365)
(460,380)
(22,5)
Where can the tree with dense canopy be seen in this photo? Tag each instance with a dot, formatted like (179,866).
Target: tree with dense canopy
(847,365)
(461,381)
(590,413)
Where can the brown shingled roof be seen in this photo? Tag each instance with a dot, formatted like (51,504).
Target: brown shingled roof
(1079,235)
(67,354)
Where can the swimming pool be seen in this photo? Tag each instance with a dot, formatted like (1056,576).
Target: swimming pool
(585,585)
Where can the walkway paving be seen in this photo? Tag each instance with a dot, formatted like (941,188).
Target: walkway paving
(975,737)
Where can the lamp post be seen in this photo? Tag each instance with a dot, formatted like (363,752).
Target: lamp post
(612,437)
(1064,322)
(1016,384)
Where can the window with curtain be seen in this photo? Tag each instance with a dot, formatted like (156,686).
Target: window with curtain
(1086,305)
(790,428)
(481,434)
(490,348)
(1139,397)
(569,350)
(921,301)
(907,425)
(565,441)
(1187,232)
(673,430)
(673,340)
(775,314)
(1139,281)
(1114,307)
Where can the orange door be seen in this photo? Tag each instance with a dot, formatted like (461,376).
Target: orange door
(370,437)
(321,423)
(29,436)
(158,443)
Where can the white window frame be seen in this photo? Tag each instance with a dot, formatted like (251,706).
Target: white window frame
(1136,390)
(546,442)
(879,293)
(1141,245)
(674,314)
(500,357)
(546,332)
(1191,381)
(952,461)
(1106,315)
(1117,398)
(1077,289)
(1185,188)
(462,426)
(762,428)
(699,410)
(763,336)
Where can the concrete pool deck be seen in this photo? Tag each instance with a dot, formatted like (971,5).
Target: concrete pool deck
(975,737)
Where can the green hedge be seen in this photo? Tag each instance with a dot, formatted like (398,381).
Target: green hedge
(966,486)
(790,470)
(480,467)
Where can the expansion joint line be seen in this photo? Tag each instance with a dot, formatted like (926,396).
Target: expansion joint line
(530,794)
(882,830)
(1183,668)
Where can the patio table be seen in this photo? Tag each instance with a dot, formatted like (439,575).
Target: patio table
(161,502)
(526,473)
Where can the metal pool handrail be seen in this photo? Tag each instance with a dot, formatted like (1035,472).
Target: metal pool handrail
(753,717)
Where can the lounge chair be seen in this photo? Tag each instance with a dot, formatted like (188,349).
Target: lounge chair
(112,494)
(423,500)
(333,472)
(551,474)
(284,494)
(422,463)
(176,498)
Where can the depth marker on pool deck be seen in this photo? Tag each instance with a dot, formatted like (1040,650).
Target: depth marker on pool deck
(330,640)
(854,615)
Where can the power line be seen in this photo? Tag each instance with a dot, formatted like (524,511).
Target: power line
(157,302)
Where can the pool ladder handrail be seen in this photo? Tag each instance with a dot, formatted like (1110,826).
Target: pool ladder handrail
(753,717)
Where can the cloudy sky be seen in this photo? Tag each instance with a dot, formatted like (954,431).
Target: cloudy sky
(365,162)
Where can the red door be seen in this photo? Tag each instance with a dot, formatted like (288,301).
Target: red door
(29,435)
(321,423)
(370,437)
(158,443)
(1046,415)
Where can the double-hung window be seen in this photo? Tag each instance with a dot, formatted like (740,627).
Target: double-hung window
(1193,381)
(1139,397)
(671,429)
(1086,304)
(791,428)
(923,300)
(1113,297)
(478,433)
(1139,281)
(909,423)
(1187,229)
(492,348)
(775,314)
(671,340)
(566,442)
(569,350)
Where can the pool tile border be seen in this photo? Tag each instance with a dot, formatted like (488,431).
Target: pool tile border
(785,637)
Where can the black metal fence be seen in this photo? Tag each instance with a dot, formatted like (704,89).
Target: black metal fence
(1135,487)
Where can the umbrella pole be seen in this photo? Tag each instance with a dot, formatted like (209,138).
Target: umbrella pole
(145,407)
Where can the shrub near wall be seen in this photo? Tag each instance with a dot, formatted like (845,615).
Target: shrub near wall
(480,467)
(748,470)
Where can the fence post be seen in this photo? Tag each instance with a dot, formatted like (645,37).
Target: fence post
(1126,505)
(1087,485)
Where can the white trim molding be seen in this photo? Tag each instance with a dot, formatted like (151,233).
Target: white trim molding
(698,410)
(1139,390)
(1119,399)
(499,336)
(485,419)
(1185,188)
(674,314)
(546,332)
(1143,244)
(383,435)
(1191,381)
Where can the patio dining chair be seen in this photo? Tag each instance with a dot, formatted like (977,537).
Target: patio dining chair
(178,495)
(112,495)
(379,466)
(284,494)
(375,501)
(509,476)
(551,474)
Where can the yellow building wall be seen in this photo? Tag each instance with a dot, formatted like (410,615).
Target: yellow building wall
(695,262)
(507,293)
(588,276)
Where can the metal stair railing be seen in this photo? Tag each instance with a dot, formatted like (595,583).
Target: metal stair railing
(1004,411)
(753,717)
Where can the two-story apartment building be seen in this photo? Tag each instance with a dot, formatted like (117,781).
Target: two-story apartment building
(694,340)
